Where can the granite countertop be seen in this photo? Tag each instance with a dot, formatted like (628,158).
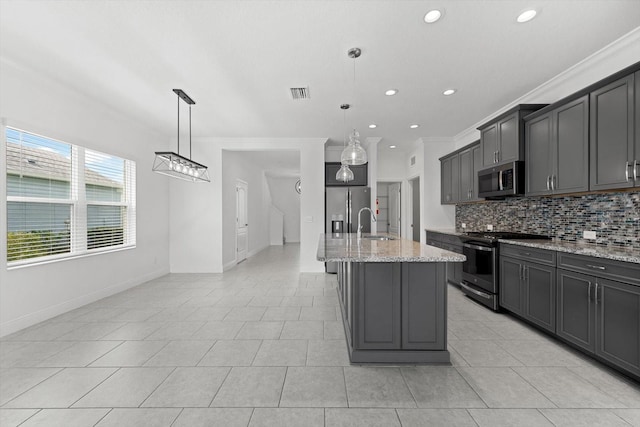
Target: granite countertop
(347,247)
(588,249)
(578,248)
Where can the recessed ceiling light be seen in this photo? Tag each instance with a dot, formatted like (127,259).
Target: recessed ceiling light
(432,16)
(392,146)
(449,92)
(391,92)
(527,15)
(414,126)
(373,126)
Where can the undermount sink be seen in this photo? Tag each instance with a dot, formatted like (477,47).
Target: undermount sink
(374,237)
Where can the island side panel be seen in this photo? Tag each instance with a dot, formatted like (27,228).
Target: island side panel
(424,306)
(378,306)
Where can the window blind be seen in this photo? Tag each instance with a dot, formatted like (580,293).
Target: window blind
(64,200)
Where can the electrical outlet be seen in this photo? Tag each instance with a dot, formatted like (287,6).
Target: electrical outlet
(464,225)
(489,227)
(589,235)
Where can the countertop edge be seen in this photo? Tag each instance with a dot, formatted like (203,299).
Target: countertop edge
(632,257)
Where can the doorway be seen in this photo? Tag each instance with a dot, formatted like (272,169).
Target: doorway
(388,207)
(242,221)
(415,208)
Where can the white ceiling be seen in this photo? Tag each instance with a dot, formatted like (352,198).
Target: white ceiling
(237,59)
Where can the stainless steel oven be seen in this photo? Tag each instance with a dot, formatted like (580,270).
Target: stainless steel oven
(479,272)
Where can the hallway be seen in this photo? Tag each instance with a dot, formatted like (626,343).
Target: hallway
(263,345)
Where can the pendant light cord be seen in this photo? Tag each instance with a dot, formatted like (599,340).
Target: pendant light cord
(178,124)
(190,155)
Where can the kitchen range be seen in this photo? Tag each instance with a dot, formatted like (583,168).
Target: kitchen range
(478,276)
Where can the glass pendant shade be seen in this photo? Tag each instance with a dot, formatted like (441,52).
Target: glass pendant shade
(344,173)
(354,154)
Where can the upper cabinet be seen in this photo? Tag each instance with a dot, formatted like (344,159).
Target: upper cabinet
(502,139)
(459,175)
(557,149)
(613,151)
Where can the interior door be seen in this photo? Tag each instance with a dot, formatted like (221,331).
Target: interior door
(394,209)
(242,221)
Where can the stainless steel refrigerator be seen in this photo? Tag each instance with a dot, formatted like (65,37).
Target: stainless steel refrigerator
(343,204)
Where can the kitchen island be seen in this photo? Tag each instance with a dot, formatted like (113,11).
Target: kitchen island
(393,297)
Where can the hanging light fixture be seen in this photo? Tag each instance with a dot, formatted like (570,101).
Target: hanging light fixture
(177,166)
(345,174)
(354,154)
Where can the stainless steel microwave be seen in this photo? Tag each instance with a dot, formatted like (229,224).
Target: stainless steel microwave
(501,181)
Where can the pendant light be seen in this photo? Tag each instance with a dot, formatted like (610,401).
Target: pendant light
(177,166)
(354,154)
(345,174)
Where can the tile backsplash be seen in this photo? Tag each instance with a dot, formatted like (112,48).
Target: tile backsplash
(615,217)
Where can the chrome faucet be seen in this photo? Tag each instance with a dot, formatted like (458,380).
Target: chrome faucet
(373,218)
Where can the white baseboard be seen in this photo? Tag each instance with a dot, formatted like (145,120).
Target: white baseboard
(58,309)
(229,265)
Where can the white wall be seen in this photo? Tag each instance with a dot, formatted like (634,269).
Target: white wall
(196,210)
(34,293)
(610,59)
(287,200)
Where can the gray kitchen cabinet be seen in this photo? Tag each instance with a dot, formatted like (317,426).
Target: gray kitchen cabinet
(466,179)
(379,323)
(446,180)
(477,166)
(576,313)
(394,311)
(618,324)
(540,295)
(502,139)
(528,288)
(612,135)
(511,284)
(449,243)
(557,149)
(459,172)
(599,314)
(423,307)
(538,137)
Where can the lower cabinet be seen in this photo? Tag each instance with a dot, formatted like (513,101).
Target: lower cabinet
(394,312)
(449,243)
(529,290)
(601,316)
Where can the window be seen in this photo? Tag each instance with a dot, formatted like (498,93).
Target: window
(56,209)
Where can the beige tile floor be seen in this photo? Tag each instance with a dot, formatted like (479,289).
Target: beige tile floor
(262,345)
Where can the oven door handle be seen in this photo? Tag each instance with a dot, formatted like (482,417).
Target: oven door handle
(480,248)
(473,291)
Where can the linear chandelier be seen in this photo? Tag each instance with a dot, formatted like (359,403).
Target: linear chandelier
(177,166)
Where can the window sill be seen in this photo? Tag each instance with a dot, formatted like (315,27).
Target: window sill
(15,265)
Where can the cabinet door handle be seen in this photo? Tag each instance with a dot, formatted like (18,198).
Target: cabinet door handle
(589,292)
(635,169)
(548,185)
(553,182)
(626,171)
(596,293)
(597,267)
(498,156)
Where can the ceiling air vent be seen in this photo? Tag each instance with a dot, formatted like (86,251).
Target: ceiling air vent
(298,93)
